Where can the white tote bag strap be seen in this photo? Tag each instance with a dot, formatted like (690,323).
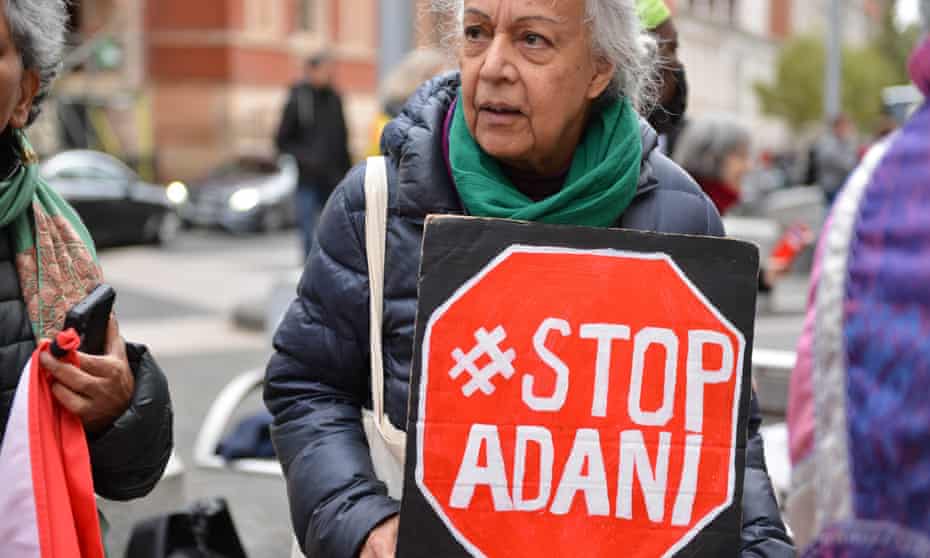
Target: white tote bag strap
(376,198)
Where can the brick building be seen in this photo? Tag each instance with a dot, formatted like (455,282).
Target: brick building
(200,81)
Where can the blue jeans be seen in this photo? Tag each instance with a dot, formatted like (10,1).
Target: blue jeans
(308,212)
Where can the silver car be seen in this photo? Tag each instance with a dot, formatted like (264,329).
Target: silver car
(248,194)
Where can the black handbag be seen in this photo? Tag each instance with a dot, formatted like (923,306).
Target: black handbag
(206,530)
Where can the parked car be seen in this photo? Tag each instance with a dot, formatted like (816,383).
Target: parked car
(247,194)
(117,206)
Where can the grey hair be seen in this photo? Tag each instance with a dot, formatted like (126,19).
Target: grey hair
(38,29)
(617,35)
(706,143)
(925,14)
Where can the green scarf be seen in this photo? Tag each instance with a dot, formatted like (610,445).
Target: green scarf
(55,256)
(599,187)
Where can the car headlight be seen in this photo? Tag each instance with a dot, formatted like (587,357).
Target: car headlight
(177,192)
(244,200)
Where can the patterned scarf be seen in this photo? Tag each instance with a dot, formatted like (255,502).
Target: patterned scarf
(55,256)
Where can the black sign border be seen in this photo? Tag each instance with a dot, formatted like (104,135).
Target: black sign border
(457,248)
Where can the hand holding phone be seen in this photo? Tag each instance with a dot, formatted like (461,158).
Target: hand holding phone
(90,318)
(100,388)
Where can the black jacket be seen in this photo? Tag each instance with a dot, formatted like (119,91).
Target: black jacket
(313,130)
(129,458)
(318,379)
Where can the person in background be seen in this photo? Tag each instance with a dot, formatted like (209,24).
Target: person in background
(540,125)
(887,124)
(858,411)
(716,152)
(415,69)
(313,131)
(668,116)
(837,155)
(48,263)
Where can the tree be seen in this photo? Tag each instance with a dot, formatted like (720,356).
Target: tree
(797,92)
(895,44)
(796,95)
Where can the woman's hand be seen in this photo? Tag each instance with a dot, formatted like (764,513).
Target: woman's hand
(100,390)
(382,542)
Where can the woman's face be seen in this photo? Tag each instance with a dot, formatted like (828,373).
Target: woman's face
(735,167)
(528,77)
(18,87)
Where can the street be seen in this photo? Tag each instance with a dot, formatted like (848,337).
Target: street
(179,301)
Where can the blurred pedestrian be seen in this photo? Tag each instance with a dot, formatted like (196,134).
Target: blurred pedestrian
(48,263)
(837,154)
(858,413)
(886,125)
(313,131)
(540,125)
(716,152)
(414,70)
(668,116)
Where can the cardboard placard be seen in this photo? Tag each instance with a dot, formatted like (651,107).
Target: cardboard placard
(577,392)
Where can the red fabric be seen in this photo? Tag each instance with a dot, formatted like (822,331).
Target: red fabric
(919,67)
(722,194)
(64,490)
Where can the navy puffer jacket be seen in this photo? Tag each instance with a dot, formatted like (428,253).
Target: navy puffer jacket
(318,378)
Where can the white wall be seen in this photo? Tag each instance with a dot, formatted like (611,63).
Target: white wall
(723,65)
(810,16)
(753,16)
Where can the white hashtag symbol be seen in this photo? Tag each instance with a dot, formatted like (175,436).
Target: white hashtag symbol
(501,363)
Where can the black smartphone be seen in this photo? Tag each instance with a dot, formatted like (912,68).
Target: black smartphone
(90,318)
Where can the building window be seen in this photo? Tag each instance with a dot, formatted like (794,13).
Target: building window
(721,11)
(358,23)
(312,17)
(307,16)
(263,16)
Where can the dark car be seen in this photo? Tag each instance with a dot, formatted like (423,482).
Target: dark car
(247,194)
(117,206)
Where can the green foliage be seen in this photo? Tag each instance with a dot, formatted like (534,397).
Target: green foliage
(894,44)
(865,73)
(796,95)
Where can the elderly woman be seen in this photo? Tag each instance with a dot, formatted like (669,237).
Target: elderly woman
(715,151)
(541,125)
(48,264)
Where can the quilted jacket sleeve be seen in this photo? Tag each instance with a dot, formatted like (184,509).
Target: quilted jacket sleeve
(764,534)
(316,384)
(129,458)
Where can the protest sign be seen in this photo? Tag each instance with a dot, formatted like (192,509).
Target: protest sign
(577,392)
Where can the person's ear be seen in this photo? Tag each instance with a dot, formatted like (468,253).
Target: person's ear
(28,89)
(603,74)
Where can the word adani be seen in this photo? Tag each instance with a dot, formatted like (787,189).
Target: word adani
(583,472)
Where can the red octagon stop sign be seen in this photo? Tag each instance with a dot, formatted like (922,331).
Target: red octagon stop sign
(580,402)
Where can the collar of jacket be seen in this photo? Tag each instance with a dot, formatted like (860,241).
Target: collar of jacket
(414,139)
